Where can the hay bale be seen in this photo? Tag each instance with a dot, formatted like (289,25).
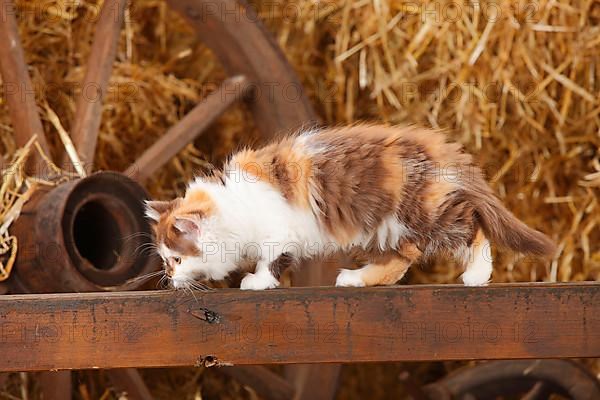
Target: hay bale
(516,82)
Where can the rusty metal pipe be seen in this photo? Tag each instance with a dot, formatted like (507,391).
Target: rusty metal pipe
(84,235)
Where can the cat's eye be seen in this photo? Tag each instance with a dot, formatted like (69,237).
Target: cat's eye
(177,260)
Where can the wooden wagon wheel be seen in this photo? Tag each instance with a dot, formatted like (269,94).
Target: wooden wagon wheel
(524,379)
(253,61)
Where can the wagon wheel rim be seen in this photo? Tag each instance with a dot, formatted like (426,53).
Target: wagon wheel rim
(531,379)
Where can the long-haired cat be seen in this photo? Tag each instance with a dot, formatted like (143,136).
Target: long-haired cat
(393,194)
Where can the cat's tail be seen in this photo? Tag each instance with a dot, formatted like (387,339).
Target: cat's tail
(501,226)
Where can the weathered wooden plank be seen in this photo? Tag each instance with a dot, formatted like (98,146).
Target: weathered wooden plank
(305,325)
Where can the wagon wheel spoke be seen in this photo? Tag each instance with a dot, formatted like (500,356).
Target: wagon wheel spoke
(267,384)
(18,87)
(86,124)
(3,378)
(55,385)
(129,380)
(539,391)
(189,127)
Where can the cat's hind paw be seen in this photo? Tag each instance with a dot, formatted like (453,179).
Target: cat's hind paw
(259,282)
(350,278)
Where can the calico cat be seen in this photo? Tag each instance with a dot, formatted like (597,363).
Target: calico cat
(390,194)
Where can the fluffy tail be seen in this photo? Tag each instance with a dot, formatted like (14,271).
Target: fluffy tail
(501,226)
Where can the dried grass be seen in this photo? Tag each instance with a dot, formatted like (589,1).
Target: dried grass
(518,82)
(18,185)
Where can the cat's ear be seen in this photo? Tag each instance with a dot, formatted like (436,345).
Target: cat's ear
(188,224)
(154,209)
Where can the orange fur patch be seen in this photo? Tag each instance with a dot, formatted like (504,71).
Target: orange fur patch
(394,179)
(252,163)
(281,165)
(166,233)
(196,203)
(478,240)
(436,194)
(389,268)
(385,274)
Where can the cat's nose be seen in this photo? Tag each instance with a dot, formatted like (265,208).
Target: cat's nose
(169,270)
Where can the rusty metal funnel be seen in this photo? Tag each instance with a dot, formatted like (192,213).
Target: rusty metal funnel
(84,235)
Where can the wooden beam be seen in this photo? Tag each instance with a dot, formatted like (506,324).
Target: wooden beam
(305,325)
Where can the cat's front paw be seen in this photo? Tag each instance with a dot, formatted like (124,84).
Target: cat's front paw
(474,278)
(259,282)
(349,278)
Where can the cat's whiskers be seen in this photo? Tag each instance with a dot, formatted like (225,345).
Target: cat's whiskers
(145,248)
(136,235)
(199,286)
(163,282)
(145,276)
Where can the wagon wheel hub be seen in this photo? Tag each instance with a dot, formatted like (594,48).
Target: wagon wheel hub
(85,235)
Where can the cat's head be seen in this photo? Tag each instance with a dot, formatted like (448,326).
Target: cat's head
(184,230)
